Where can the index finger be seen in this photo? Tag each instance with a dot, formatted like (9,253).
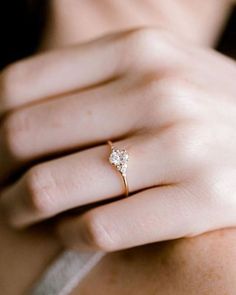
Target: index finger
(84,65)
(59,71)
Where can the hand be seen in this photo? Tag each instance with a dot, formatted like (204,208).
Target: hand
(171,106)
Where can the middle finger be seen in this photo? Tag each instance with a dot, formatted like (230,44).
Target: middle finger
(64,124)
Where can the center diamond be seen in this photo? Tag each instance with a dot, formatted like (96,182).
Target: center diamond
(119,158)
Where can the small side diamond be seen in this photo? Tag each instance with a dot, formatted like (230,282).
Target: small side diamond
(123,168)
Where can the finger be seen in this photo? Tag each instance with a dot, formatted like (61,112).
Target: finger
(61,125)
(58,71)
(77,67)
(83,178)
(157,214)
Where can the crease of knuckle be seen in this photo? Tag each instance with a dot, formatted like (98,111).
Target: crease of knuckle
(41,191)
(96,233)
(15,130)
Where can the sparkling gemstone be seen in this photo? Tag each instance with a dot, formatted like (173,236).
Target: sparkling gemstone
(119,158)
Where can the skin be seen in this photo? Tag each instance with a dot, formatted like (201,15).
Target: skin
(185,113)
(69,18)
(187,247)
(172,268)
(24,256)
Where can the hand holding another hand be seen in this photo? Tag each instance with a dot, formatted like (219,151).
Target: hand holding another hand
(171,106)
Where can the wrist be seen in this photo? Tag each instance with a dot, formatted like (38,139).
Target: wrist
(198,22)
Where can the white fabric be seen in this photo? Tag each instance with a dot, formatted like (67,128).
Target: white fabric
(66,273)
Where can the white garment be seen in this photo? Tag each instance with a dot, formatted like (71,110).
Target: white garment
(66,273)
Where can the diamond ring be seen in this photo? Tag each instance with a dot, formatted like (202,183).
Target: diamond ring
(119,159)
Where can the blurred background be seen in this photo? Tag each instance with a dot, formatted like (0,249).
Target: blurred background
(22,23)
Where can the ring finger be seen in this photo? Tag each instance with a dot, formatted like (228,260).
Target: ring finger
(86,177)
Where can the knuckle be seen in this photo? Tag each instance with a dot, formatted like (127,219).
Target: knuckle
(220,187)
(14,131)
(179,84)
(39,191)
(167,100)
(96,233)
(189,144)
(140,46)
(177,98)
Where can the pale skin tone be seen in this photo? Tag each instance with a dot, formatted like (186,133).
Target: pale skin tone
(176,126)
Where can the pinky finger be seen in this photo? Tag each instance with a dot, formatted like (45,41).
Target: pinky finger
(153,215)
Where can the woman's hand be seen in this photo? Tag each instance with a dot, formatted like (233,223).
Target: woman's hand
(170,105)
